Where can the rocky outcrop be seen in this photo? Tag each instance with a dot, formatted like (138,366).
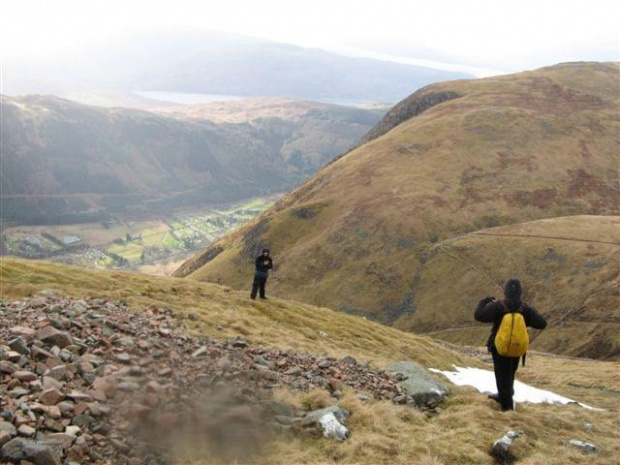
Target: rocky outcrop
(420,388)
(411,107)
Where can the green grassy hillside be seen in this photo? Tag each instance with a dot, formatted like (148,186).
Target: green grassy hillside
(499,151)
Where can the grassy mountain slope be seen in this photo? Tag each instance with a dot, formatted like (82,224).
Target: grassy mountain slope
(382,432)
(252,109)
(505,150)
(224,313)
(569,268)
(64,161)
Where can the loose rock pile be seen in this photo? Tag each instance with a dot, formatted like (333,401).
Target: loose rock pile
(88,381)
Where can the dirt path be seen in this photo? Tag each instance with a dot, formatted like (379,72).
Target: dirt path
(534,236)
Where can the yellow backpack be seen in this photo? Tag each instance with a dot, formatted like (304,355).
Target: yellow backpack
(512,338)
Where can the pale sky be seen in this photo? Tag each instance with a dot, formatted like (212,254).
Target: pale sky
(482,36)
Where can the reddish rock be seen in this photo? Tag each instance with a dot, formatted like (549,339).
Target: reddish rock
(27,333)
(51,396)
(52,336)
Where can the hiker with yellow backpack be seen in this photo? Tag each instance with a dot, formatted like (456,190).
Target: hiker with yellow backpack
(509,339)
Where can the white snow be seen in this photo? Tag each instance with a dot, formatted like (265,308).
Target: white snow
(484,381)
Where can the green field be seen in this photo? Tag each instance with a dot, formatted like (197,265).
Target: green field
(131,244)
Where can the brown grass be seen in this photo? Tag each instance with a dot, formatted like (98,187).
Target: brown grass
(509,150)
(276,322)
(569,269)
(382,432)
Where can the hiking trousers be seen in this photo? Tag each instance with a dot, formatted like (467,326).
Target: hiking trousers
(505,369)
(258,284)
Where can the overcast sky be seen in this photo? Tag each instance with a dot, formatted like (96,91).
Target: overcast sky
(481,36)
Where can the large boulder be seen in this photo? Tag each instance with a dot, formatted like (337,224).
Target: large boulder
(424,390)
(39,453)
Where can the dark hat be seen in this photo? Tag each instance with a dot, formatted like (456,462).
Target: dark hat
(265,250)
(512,289)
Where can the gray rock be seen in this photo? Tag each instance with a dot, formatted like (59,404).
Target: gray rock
(240,342)
(330,420)
(19,345)
(8,427)
(260,360)
(501,447)
(65,440)
(123,357)
(294,371)
(586,447)
(51,335)
(40,453)
(342,415)
(4,438)
(200,351)
(423,389)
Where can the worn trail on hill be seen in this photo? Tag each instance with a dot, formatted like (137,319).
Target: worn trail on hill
(535,236)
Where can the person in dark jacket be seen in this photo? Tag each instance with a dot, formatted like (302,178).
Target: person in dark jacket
(263,265)
(491,310)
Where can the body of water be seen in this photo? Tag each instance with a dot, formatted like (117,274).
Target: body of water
(188,99)
(191,99)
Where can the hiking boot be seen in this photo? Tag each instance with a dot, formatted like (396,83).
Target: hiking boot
(264,298)
(495,397)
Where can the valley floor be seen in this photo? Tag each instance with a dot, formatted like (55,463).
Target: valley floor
(153,246)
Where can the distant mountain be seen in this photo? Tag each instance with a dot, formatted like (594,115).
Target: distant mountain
(64,162)
(253,109)
(218,63)
(272,69)
(453,158)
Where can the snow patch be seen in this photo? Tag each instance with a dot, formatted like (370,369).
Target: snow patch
(484,381)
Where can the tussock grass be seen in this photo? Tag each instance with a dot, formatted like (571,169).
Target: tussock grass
(462,434)
(223,313)
(382,433)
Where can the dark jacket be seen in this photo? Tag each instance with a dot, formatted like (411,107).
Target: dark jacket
(262,269)
(490,311)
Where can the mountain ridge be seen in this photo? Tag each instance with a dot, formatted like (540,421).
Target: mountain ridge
(220,63)
(83,157)
(509,150)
